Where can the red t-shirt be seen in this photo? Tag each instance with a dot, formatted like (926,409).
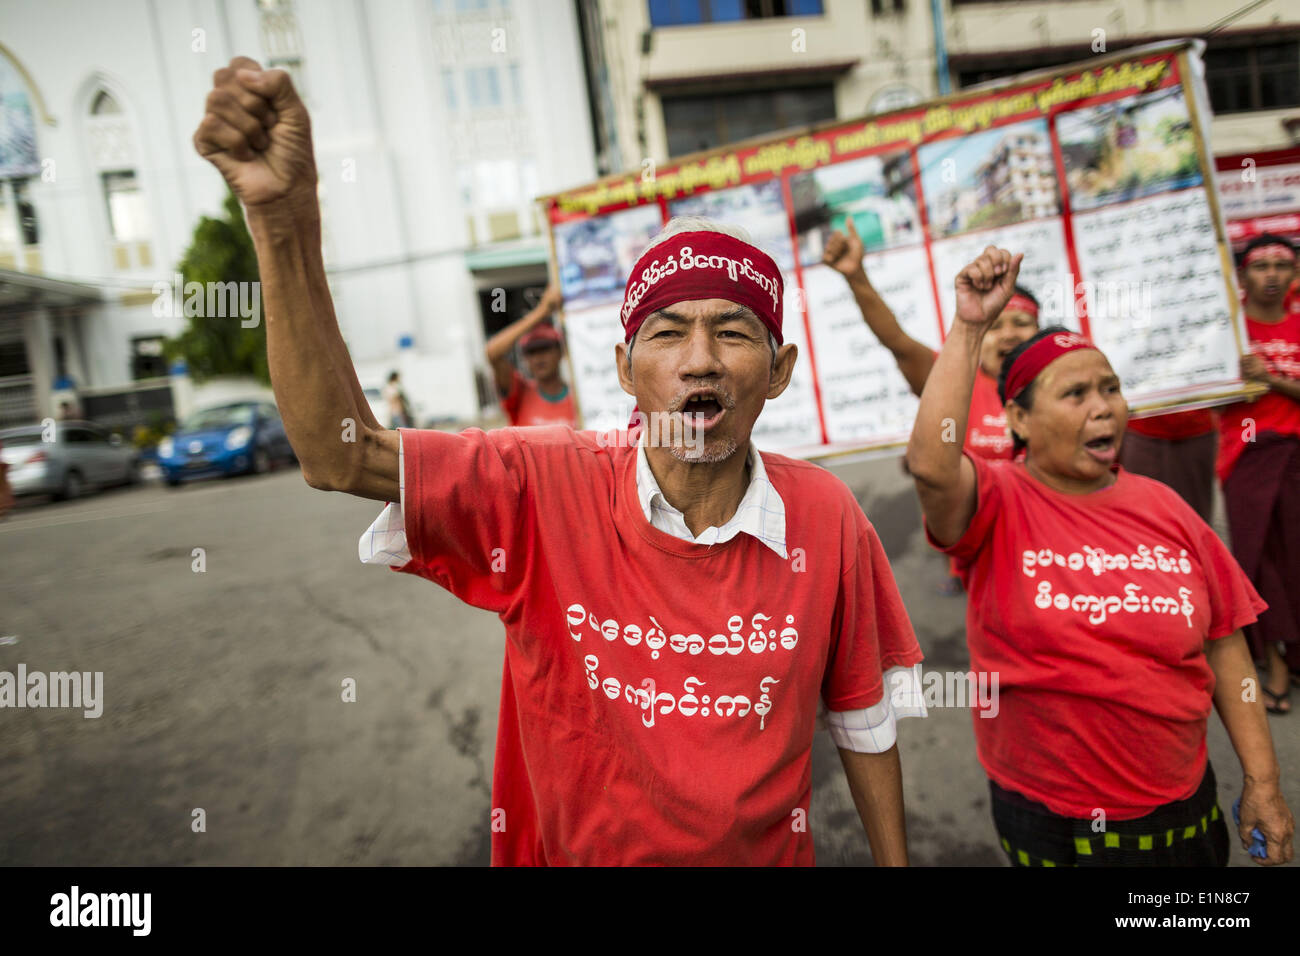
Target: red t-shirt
(659,696)
(986,429)
(1175,426)
(1279,345)
(1093,610)
(525,405)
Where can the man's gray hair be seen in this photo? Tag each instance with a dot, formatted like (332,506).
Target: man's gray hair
(697,224)
(679,224)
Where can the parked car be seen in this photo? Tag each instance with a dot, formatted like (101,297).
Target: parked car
(231,439)
(81,457)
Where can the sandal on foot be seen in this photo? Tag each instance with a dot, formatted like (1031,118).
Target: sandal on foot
(1278,699)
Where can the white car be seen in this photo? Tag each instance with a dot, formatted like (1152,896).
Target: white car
(81,456)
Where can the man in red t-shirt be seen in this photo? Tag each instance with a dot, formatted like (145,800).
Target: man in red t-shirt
(543,397)
(1259,463)
(637,726)
(676,609)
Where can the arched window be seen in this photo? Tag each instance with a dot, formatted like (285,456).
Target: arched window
(104,104)
(113,158)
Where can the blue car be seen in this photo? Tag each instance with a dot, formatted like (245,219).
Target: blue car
(241,438)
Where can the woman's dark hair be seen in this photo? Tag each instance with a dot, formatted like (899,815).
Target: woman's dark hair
(1026,397)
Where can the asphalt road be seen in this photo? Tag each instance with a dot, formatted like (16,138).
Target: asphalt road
(222,691)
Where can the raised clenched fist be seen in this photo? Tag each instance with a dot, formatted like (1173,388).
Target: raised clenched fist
(552,298)
(257,133)
(844,253)
(985,286)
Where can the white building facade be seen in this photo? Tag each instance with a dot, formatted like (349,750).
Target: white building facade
(435,124)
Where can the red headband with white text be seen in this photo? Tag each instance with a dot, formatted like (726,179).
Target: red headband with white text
(1040,355)
(1021,303)
(1274,250)
(703,265)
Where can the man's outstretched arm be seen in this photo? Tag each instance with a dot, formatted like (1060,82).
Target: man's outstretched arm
(876,782)
(257,133)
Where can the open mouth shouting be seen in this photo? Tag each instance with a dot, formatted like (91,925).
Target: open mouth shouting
(1103,447)
(703,408)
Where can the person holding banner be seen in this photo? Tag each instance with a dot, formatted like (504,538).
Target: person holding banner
(543,397)
(1259,463)
(676,609)
(1109,610)
(986,434)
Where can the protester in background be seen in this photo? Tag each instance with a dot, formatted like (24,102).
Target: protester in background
(1259,463)
(1109,611)
(987,433)
(399,411)
(542,397)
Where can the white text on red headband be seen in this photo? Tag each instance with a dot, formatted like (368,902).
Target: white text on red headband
(686,259)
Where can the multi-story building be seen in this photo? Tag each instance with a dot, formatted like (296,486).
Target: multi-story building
(1252,57)
(1020,172)
(673,76)
(435,122)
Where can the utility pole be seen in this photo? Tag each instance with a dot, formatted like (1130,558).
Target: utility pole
(940,48)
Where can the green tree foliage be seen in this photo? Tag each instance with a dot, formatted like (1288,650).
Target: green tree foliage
(221,251)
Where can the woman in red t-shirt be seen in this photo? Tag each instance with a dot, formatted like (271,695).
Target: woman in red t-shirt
(1105,613)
